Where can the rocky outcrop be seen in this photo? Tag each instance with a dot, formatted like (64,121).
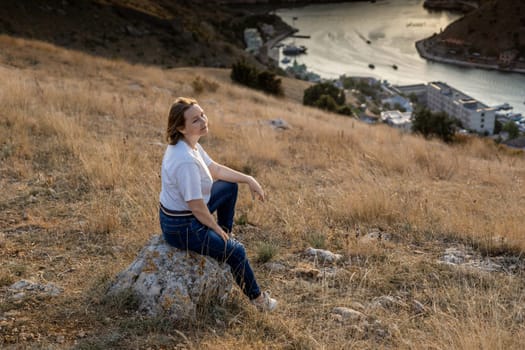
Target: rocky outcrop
(174,283)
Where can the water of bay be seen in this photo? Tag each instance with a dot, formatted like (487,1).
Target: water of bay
(338,45)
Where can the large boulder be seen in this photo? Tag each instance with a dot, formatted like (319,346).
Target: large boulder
(174,283)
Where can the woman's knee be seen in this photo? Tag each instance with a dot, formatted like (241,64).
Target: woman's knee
(232,187)
(238,253)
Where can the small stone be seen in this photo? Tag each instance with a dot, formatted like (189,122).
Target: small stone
(348,314)
(323,255)
(357,305)
(306,273)
(418,307)
(81,334)
(275,266)
(279,124)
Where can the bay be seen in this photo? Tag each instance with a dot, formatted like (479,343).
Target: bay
(338,45)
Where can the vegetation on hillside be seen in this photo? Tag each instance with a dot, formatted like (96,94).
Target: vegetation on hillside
(247,74)
(495,27)
(328,97)
(438,124)
(81,141)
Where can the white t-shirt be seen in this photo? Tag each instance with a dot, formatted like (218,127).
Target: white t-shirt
(184,176)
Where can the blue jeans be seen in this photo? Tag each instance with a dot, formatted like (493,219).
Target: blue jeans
(187,233)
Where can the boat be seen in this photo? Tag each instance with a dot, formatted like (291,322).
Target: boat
(371,66)
(293,50)
(394,66)
(286,60)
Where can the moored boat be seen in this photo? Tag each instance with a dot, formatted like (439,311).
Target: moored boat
(294,50)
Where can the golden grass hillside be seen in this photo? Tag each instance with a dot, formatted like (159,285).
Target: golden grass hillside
(80,151)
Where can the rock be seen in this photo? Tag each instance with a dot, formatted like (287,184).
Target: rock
(347,314)
(275,266)
(23,288)
(279,124)
(323,255)
(168,281)
(375,236)
(306,273)
(455,256)
(387,302)
(418,307)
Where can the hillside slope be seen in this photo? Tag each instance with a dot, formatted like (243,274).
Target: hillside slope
(431,235)
(155,32)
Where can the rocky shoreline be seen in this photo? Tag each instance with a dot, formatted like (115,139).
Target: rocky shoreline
(422,47)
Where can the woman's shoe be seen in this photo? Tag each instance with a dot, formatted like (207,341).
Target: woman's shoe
(265,302)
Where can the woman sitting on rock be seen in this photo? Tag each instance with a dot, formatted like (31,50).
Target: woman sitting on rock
(194,187)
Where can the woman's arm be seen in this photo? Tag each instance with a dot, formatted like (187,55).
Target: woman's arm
(221,172)
(202,213)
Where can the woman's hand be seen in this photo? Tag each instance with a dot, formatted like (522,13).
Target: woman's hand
(255,188)
(223,235)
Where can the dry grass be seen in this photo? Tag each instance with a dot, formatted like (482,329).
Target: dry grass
(82,141)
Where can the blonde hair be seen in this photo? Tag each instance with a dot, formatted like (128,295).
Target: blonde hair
(176,118)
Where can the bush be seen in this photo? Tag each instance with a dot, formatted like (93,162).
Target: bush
(345,110)
(434,124)
(269,83)
(201,84)
(313,94)
(266,252)
(244,73)
(512,129)
(326,102)
(248,75)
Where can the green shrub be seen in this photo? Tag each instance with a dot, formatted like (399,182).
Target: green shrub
(316,240)
(326,102)
(434,124)
(313,94)
(266,251)
(345,110)
(269,83)
(246,74)
(202,84)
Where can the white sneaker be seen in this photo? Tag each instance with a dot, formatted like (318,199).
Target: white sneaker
(265,303)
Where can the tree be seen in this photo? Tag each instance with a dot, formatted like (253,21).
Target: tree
(269,83)
(434,124)
(314,93)
(512,129)
(326,102)
(244,73)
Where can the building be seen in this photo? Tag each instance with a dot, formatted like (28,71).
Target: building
(473,114)
(398,101)
(397,119)
(417,90)
(253,40)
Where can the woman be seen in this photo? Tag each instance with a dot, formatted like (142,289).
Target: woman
(194,187)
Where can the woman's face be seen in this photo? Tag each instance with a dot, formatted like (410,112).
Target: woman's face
(196,122)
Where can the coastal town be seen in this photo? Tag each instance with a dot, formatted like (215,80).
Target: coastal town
(395,105)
